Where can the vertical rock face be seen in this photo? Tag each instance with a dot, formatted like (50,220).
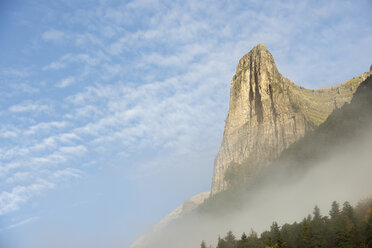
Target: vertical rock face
(268,113)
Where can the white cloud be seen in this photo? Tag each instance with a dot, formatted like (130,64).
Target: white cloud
(11,201)
(19,177)
(45,126)
(73,150)
(21,223)
(49,142)
(68,173)
(69,58)
(66,82)
(27,88)
(29,107)
(68,137)
(108,31)
(87,39)
(8,134)
(54,35)
(118,47)
(15,72)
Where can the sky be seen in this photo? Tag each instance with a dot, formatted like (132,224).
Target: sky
(112,111)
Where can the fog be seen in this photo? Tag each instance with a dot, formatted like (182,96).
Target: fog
(343,175)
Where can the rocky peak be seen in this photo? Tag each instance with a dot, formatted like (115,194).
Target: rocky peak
(254,73)
(268,113)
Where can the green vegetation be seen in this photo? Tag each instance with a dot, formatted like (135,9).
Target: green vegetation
(346,227)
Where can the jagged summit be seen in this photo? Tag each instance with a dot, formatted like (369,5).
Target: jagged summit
(268,113)
(259,55)
(259,46)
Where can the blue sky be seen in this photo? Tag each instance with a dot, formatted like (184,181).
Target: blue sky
(112,111)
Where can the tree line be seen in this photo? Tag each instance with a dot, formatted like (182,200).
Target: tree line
(345,227)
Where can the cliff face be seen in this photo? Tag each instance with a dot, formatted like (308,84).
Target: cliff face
(268,113)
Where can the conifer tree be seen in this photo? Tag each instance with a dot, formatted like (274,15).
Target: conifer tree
(335,211)
(316,214)
(221,243)
(243,242)
(368,232)
(317,227)
(306,234)
(276,236)
(230,240)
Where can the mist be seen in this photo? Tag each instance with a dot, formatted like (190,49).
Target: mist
(281,196)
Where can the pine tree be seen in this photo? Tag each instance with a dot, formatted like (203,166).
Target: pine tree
(243,242)
(253,240)
(203,245)
(317,227)
(336,235)
(368,232)
(221,243)
(306,234)
(350,226)
(230,240)
(275,232)
(335,211)
(276,236)
(348,211)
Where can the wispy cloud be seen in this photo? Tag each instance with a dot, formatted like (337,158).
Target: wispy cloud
(54,35)
(27,88)
(45,126)
(66,82)
(8,134)
(11,201)
(69,59)
(21,223)
(68,173)
(29,107)
(19,177)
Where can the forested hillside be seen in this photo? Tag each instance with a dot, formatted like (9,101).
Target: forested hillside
(345,227)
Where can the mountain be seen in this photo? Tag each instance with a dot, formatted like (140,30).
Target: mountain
(267,114)
(344,139)
(275,132)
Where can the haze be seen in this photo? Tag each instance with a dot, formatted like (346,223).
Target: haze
(343,175)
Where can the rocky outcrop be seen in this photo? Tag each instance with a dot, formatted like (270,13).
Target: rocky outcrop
(268,113)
